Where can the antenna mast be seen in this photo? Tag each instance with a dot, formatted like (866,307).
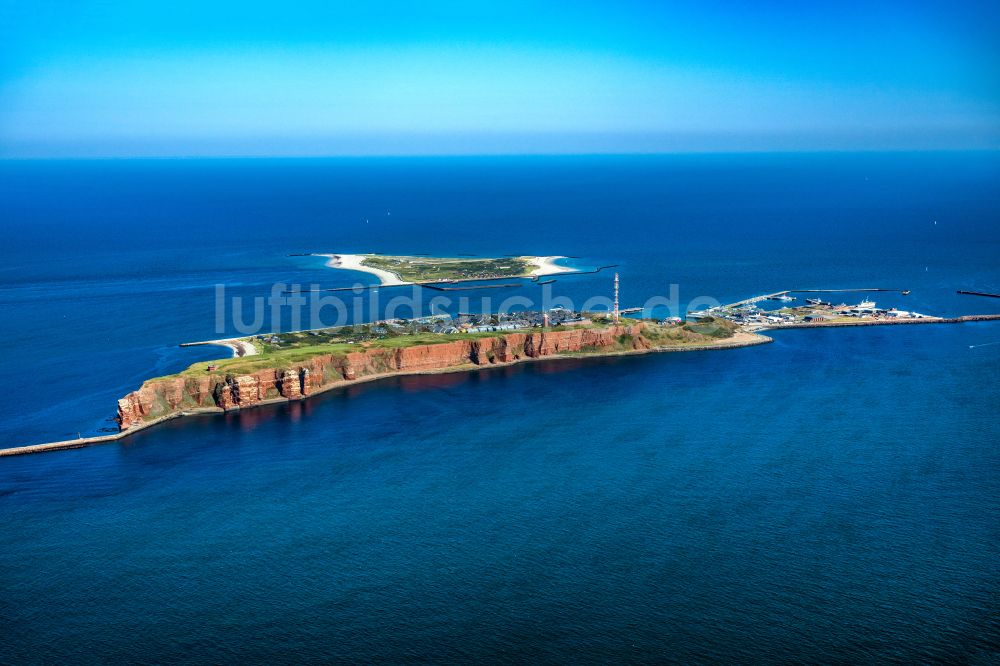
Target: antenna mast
(616,299)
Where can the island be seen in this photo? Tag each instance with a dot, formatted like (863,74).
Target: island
(282,367)
(290,366)
(412,269)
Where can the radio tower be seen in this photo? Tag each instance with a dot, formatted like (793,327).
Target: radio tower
(616,299)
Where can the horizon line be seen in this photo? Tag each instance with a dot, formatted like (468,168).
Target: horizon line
(360,156)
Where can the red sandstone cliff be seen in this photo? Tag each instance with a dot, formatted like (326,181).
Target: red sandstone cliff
(162,397)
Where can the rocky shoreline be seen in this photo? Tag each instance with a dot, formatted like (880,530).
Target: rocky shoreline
(173,397)
(160,397)
(168,398)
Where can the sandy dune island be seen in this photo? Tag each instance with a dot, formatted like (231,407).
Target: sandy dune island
(353,262)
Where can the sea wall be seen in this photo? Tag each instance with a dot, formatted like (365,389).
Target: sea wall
(160,398)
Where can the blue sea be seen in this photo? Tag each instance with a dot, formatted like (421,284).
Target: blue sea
(831,497)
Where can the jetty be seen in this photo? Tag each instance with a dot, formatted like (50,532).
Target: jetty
(978,293)
(61,446)
(755,299)
(824,291)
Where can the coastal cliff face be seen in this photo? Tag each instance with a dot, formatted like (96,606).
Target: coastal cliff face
(159,398)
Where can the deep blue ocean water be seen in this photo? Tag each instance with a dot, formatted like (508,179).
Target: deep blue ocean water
(833,496)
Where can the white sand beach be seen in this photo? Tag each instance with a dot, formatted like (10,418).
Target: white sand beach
(548,266)
(352,262)
(239,347)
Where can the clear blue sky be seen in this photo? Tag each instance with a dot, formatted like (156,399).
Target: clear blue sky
(133,78)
